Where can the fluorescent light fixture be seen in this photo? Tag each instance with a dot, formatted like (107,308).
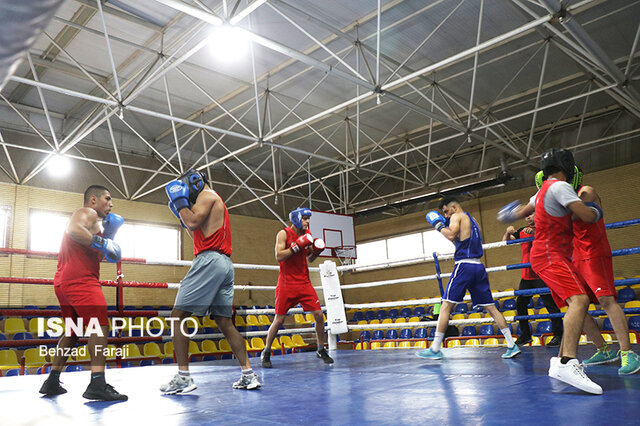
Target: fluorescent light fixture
(59,166)
(228,43)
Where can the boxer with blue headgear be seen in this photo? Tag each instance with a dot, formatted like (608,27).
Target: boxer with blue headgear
(296,216)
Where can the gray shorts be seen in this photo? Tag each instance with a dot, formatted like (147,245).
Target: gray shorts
(207,289)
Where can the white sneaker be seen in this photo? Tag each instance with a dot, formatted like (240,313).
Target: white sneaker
(247,381)
(179,384)
(573,374)
(553,364)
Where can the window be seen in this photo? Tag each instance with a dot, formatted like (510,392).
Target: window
(403,247)
(139,240)
(5,213)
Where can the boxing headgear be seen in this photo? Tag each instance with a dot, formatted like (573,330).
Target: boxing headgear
(296,216)
(195,181)
(556,160)
(576,182)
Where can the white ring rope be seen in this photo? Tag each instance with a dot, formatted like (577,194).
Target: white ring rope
(424,324)
(248,334)
(235,265)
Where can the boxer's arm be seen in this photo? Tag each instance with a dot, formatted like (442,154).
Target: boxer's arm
(584,212)
(509,234)
(194,217)
(282,251)
(81,226)
(453,230)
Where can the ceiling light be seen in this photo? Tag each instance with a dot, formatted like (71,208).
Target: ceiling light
(228,43)
(59,166)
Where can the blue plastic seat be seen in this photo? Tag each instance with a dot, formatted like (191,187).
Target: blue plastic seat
(405,333)
(369,315)
(393,313)
(365,335)
(486,330)
(626,294)
(530,304)
(210,357)
(606,325)
(432,333)
(250,328)
(469,330)
(53,307)
(147,362)
(539,303)
(229,356)
(74,367)
(461,308)
(129,308)
(15,372)
(167,360)
(419,311)
(164,308)
(126,364)
(405,312)
(241,328)
(377,335)
(381,314)
(634,323)
(391,334)
(509,305)
(420,333)
(357,316)
(148,308)
(43,370)
(22,336)
(3,337)
(543,327)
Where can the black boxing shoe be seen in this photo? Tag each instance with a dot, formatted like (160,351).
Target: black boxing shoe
(266,359)
(523,340)
(105,392)
(322,354)
(555,342)
(52,387)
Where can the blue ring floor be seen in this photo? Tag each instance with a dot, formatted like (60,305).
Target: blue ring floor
(471,385)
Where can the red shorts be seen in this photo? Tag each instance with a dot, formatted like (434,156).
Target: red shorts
(289,296)
(82,300)
(598,273)
(563,280)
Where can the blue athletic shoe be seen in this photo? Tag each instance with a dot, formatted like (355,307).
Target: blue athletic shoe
(429,354)
(512,352)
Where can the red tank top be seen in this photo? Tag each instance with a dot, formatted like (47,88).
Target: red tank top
(590,240)
(76,263)
(554,235)
(219,241)
(294,270)
(527,273)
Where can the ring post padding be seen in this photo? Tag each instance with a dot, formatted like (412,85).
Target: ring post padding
(336,315)
(437,264)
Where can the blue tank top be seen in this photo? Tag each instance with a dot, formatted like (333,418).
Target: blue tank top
(471,248)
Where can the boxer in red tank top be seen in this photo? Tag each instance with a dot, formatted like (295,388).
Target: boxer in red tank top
(592,258)
(550,257)
(79,292)
(294,248)
(207,289)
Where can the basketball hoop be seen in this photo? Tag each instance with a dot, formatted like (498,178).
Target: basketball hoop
(345,254)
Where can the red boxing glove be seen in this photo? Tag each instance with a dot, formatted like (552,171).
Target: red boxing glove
(318,246)
(302,242)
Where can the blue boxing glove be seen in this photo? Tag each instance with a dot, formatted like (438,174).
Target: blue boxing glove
(111,250)
(178,193)
(507,214)
(436,220)
(596,208)
(173,209)
(111,223)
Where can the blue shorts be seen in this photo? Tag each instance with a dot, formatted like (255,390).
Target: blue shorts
(470,276)
(207,289)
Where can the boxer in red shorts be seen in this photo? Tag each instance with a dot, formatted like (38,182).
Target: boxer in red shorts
(550,257)
(79,292)
(592,258)
(294,248)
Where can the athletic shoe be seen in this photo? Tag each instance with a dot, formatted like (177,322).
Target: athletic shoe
(524,340)
(247,381)
(553,363)
(322,353)
(103,393)
(52,387)
(429,354)
(573,374)
(512,352)
(555,342)
(630,363)
(266,359)
(602,356)
(179,384)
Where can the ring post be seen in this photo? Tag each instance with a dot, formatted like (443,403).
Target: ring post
(336,315)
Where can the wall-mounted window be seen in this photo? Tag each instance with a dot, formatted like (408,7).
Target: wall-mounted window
(403,247)
(137,239)
(5,215)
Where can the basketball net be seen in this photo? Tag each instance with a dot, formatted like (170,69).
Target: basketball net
(345,254)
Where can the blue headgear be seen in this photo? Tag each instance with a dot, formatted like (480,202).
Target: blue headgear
(296,216)
(195,181)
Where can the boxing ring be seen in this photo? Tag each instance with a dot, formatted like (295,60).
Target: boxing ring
(472,384)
